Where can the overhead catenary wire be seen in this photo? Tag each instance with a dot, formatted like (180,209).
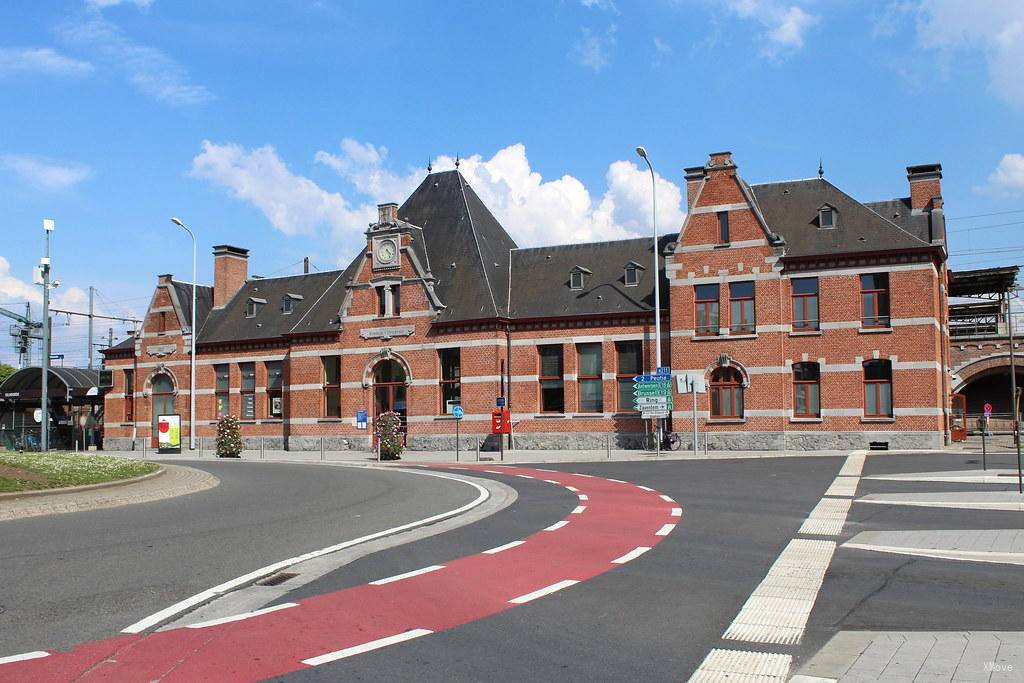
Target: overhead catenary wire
(983,215)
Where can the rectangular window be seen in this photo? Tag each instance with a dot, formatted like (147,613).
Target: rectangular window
(248,371)
(741,308)
(552,386)
(706,298)
(723,227)
(382,302)
(332,386)
(223,389)
(129,395)
(874,299)
(589,379)
(805,303)
(629,364)
(451,379)
(396,300)
(806,390)
(878,388)
(275,383)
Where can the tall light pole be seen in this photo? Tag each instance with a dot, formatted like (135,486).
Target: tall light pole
(44,397)
(656,272)
(192,353)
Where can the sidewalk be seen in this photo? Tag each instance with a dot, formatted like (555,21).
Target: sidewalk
(510,457)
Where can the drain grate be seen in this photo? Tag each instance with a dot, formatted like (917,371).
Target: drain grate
(276,579)
(878,446)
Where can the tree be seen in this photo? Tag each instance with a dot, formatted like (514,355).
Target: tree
(6,371)
(389,434)
(229,437)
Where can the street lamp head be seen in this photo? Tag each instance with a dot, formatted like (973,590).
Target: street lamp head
(177,221)
(642,152)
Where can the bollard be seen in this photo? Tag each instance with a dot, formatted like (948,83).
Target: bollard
(607,447)
(321,448)
(477,449)
(144,445)
(261,448)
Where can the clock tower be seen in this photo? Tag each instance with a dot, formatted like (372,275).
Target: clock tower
(385,239)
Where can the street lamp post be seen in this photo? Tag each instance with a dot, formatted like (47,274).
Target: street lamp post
(656,272)
(44,398)
(192,352)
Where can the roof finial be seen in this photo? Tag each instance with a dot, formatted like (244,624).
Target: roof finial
(456,161)
(430,166)
(821,170)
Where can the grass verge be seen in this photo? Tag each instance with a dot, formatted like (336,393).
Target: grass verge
(33,471)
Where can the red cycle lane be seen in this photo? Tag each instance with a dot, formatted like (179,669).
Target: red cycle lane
(614,523)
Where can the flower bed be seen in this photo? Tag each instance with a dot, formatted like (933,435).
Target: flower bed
(30,471)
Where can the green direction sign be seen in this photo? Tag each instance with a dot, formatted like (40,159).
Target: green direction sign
(652,389)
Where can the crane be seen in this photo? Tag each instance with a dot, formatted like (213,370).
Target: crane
(24,333)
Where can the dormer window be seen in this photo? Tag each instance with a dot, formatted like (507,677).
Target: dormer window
(252,306)
(827,217)
(578,277)
(288,303)
(631,274)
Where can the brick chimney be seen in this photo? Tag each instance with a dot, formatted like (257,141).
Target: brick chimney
(230,270)
(387,213)
(925,186)
(694,177)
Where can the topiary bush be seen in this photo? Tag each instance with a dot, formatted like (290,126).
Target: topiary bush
(229,437)
(389,435)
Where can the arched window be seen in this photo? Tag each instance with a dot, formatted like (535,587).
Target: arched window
(806,390)
(726,394)
(877,388)
(162,384)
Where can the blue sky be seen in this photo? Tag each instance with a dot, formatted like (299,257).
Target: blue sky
(278,126)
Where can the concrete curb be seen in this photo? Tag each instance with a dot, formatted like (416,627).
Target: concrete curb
(14,495)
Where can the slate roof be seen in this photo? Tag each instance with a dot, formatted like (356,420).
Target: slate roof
(317,310)
(204,302)
(899,212)
(540,279)
(129,342)
(458,229)
(791,209)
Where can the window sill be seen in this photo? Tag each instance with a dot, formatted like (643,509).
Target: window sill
(588,416)
(247,422)
(741,335)
(805,420)
(709,337)
(722,245)
(726,421)
(550,416)
(330,420)
(445,418)
(126,424)
(633,414)
(879,420)
(806,333)
(874,330)
(272,421)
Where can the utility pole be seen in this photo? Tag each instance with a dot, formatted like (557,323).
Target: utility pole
(110,337)
(91,290)
(44,403)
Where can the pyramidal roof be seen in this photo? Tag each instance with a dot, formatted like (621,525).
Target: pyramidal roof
(466,247)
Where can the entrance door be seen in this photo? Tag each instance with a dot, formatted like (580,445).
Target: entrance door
(389,391)
(162,402)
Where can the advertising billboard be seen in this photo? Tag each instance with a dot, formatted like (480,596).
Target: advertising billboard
(169,433)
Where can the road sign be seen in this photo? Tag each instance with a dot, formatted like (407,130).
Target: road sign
(649,378)
(653,401)
(500,402)
(653,414)
(652,389)
(361,419)
(457,412)
(988,409)
(664,372)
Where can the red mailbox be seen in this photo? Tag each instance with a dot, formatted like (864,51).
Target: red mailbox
(501,421)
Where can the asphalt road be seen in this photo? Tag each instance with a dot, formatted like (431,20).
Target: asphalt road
(77,577)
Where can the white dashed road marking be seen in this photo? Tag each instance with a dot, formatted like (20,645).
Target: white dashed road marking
(644,488)
(578,509)
(631,555)
(677,512)
(407,575)
(665,530)
(24,657)
(557,525)
(366,647)
(507,546)
(583,496)
(667,499)
(548,590)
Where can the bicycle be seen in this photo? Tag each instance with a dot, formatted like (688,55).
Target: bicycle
(671,442)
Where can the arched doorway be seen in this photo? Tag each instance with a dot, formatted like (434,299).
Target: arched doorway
(390,390)
(161,401)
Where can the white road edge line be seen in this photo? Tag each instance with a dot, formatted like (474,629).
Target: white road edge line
(540,593)
(243,615)
(507,546)
(584,496)
(573,489)
(366,647)
(578,510)
(407,575)
(644,488)
(488,471)
(524,476)
(665,530)
(667,499)
(551,481)
(631,555)
(677,512)
(556,526)
(24,656)
(541,469)
(211,593)
(617,481)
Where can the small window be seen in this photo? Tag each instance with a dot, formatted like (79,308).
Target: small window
(223,390)
(248,390)
(706,304)
(632,277)
(878,388)
(630,360)
(287,305)
(741,308)
(382,302)
(874,299)
(806,390)
(805,303)
(576,280)
(250,309)
(826,217)
(723,227)
(274,386)
(552,385)
(589,378)
(451,378)
(129,395)
(332,386)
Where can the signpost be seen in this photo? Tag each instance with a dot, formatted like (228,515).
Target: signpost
(652,396)
(457,413)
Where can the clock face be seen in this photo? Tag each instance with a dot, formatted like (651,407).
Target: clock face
(386,251)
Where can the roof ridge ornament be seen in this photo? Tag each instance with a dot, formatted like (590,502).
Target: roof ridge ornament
(821,170)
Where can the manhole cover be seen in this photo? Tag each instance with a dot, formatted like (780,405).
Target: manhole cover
(276,579)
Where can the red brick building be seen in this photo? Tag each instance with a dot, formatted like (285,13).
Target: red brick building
(816,321)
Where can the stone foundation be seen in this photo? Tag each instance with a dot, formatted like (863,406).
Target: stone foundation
(330,443)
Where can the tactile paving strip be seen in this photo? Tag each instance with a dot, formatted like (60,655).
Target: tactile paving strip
(827,517)
(742,666)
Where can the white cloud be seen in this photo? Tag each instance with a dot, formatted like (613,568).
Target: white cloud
(47,174)
(604,5)
(535,211)
(292,203)
(149,69)
(141,4)
(995,27)
(1008,177)
(593,50)
(42,60)
(14,289)
(784,25)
